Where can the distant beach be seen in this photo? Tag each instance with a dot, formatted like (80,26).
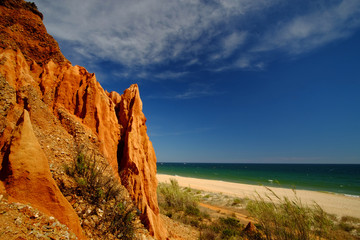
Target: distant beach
(338,204)
(336,178)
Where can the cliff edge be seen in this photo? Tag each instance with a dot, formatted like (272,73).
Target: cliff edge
(50,109)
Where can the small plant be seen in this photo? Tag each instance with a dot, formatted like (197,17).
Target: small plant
(180,204)
(121,220)
(237,201)
(91,181)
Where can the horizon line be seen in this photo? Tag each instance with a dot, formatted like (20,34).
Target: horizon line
(261,163)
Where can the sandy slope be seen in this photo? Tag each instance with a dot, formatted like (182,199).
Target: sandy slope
(332,203)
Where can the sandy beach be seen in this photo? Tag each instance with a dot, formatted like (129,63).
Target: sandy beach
(332,203)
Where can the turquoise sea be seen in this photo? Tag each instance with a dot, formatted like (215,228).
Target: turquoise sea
(337,178)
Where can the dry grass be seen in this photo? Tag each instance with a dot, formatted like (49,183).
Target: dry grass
(290,219)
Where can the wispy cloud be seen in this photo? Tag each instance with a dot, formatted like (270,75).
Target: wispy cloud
(180,133)
(218,34)
(229,45)
(170,75)
(194,90)
(195,93)
(305,32)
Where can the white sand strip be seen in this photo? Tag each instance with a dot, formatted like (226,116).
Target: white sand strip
(338,204)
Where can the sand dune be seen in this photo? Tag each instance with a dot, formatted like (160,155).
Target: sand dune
(338,204)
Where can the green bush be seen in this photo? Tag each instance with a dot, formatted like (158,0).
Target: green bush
(121,220)
(289,219)
(238,201)
(223,228)
(91,181)
(102,191)
(350,219)
(178,199)
(230,222)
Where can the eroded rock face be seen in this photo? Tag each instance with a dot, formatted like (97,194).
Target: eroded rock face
(138,161)
(74,89)
(26,176)
(68,108)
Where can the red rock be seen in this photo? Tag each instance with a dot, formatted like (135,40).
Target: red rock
(250,228)
(34,75)
(138,162)
(27,178)
(77,91)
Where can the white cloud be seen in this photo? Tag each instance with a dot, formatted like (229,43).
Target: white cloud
(233,41)
(170,75)
(229,45)
(314,29)
(144,33)
(194,90)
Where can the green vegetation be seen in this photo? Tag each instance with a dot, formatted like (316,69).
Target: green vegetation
(172,197)
(238,201)
(276,218)
(103,196)
(289,219)
(348,224)
(222,228)
(91,181)
(180,204)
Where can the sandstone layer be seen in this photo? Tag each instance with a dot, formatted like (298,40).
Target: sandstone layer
(138,160)
(63,108)
(26,176)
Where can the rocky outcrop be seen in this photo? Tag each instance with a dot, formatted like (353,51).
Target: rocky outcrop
(68,108)
(138,160)
(26,176)
(74,89)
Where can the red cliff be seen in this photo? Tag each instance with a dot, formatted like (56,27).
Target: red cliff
(49,108)
(138,160)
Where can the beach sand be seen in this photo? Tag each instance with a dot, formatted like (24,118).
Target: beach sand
(332,203)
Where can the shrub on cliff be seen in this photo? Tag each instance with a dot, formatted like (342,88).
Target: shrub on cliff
(91,181)
(104,198)
(289,219)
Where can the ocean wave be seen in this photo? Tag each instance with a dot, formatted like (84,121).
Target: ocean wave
(350,195)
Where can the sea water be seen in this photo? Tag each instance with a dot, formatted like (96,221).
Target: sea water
(336,178)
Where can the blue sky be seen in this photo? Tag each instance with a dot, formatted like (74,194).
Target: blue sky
(227,81)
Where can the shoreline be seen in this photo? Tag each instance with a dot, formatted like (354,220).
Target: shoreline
(270,185)
(333,203)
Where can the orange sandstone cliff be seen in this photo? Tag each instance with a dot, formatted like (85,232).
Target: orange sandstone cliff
(49,108)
